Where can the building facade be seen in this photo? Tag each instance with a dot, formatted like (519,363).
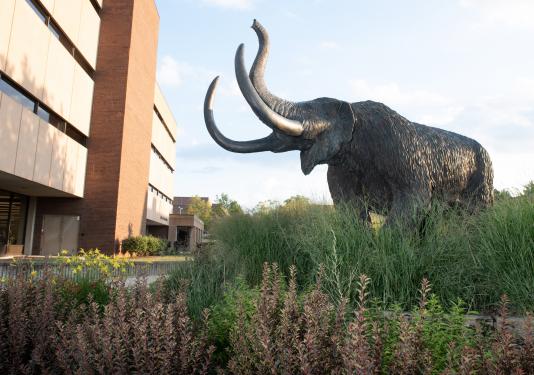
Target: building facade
(86,137)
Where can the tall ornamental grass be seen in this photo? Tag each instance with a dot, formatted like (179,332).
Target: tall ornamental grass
(475,257)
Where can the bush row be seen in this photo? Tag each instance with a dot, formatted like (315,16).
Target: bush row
(270,329)
(144,245)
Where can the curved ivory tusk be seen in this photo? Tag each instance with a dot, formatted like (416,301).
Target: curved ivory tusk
(262,144)
(257,71)
(262,110)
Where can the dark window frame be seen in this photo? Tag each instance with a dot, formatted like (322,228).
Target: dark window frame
(164,123)
(159,193)
(160,156)
(61,35)
(40,109)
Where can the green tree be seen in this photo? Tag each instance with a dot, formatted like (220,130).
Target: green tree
(266,206)
(528,190)
(225,206)
(501,194)
(201,208)
(296,202)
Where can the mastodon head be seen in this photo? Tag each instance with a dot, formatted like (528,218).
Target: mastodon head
(318,128)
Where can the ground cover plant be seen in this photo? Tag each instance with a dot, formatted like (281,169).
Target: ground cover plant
(270,329)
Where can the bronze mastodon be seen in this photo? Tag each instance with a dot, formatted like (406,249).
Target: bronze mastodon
(374,155)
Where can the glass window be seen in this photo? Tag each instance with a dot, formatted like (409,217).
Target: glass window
(8,89)
(12,222)
(54,30)
(43,114)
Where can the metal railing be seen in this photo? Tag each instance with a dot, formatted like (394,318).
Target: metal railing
(11,269)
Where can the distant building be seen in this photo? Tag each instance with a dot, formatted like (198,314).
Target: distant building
(87,141)
(186,231)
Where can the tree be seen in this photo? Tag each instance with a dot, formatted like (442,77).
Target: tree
(296,202)
(201,208)
(225,206)
(266,206)
(528,190)
(501,194)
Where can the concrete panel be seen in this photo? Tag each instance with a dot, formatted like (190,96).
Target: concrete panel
(58,164)
(158,210)
(160,176)
(6,21)
(165,111)
(89,31)
(28,49)
(82,100)
(67,13)
(49,5)
(71,163)
(163,141)
(28,135)
(59,79)
(43,155)
(81,165)
(10,113)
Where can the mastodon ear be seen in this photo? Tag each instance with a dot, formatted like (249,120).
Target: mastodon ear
(327,144)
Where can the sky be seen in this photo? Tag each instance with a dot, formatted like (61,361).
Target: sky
(462,65)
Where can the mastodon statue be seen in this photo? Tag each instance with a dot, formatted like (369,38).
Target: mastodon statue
(374,155)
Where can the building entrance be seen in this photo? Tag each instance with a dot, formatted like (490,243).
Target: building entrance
(13,211)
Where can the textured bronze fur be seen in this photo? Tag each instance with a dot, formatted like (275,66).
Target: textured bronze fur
(375,156)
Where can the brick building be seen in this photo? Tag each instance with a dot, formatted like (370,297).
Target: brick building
(87,141)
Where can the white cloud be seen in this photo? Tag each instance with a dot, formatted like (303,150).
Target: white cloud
(170,72)
(231,4)
(392,93)
(329,44)
(252,181)
(175,73)
(420,105)
(512,13)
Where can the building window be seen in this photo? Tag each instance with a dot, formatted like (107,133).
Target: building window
(56,31)
(158,154)
(159,194)
(160,117)
(8,87)
(13,209)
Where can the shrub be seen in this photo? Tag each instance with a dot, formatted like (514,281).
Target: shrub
(274,329)
(93,263)
(144,245)
(155,245)
(91,274)
(238,299)
(137,244)
(137,331)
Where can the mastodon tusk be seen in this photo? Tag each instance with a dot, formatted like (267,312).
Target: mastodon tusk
(258,145)
(262,110)
(257,72)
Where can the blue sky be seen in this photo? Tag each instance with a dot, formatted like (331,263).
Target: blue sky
(462,65)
